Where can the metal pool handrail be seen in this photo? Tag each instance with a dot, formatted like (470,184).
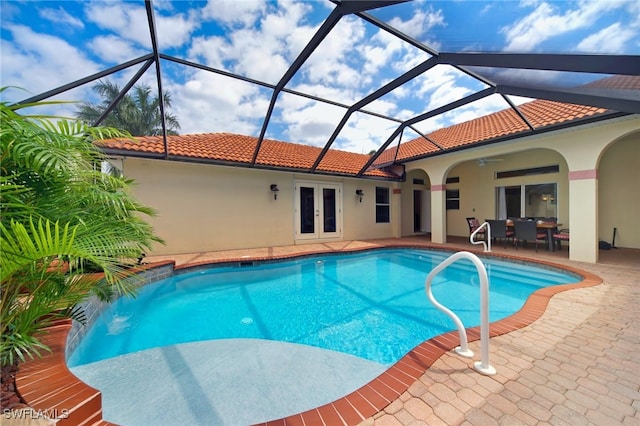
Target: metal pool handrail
(483,366)
(472,239)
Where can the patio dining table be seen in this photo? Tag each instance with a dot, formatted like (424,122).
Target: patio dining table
(549,228)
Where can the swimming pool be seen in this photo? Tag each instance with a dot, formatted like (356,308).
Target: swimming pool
(369,304)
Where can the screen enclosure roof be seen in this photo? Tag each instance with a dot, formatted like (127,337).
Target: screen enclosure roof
(361,77)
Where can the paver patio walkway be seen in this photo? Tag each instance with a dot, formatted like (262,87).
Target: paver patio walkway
(579,364)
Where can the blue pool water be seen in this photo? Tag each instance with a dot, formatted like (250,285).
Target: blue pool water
(371,305)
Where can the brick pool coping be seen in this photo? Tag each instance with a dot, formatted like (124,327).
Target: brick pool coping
(48,387)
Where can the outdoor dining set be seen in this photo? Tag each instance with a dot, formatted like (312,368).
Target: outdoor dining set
(518,231)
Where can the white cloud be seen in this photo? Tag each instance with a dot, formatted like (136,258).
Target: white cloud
(382,106)
(384,49)
(112,49)
(547,22)
(130,22)
(125,19)
(312,124)
(330,62)
(288,101)
(420,24)
(40,62)
(364,133)
(299,35)
(175,30)
(263,52)
(336,94)
(210,51)
(257,55)
(60,16)
(440,86)
(209,102)
(260,39)
(486,9)
(608,40)
(234,12)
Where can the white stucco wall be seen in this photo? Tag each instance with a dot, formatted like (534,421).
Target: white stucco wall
(581,181)
(207,208)
(619,192)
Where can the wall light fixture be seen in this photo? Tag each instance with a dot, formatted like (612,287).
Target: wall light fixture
(274,189)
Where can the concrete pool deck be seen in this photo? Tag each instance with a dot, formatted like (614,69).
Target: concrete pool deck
(576,362)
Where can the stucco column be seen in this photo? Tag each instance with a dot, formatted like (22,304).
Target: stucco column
(583,215)
(396,210)
(437,176)
(438,214)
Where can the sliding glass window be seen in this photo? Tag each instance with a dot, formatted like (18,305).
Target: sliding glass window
(530,201)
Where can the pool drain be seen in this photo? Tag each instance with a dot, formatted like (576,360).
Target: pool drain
(246,321)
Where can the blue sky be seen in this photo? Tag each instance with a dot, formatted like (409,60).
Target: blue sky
(46,44)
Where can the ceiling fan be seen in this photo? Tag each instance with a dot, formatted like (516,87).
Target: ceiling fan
(483,161)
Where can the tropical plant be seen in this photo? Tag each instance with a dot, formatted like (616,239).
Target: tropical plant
(138,113)
(59,213)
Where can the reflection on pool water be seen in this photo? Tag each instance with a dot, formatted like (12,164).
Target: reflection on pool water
(368,304)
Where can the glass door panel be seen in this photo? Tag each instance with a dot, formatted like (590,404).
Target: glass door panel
(307,210)
(541,201)
(329,210)
(513,200)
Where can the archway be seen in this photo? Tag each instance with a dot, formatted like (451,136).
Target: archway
(529,176)
(618,195)
(416,204)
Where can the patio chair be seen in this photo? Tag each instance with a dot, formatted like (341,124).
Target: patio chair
(526,230)
(499,230)
(475,224)
(560,236)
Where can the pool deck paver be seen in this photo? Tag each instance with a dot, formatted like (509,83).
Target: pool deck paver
(575,363)
(579,364)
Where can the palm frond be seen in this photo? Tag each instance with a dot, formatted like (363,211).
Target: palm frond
(59,215)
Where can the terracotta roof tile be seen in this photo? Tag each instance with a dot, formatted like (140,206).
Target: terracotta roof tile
(622,82)
(540,113)
(234,148)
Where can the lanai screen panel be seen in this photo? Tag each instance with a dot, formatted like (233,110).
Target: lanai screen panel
(207,102)
(230,67)
(347,68)
(49,44)
(590,27)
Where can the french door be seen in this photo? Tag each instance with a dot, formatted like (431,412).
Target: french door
(318,210)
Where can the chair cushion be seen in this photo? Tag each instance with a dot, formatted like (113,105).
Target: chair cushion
(561,236)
